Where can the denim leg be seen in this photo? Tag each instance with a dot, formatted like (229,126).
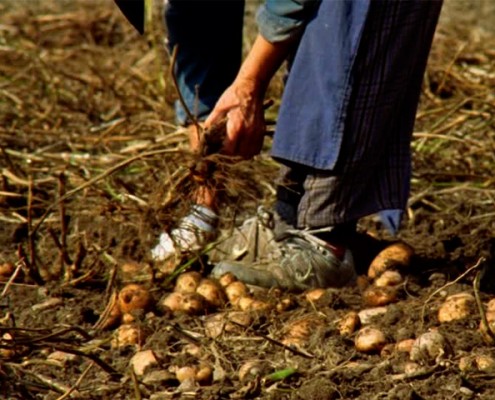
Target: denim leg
(209,38)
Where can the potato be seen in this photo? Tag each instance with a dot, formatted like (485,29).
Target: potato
(389,278)
(485,363)
(379,296)
(212,292)
(478,362)
(226,279)
(129,335)
(314,294)
(193,303)
(190,303)
(235,291)
(244,303)
(429,347)
(396,255)
(6,352)
(6,271)
(370,340)
(404,346)
(134,297)
(491,305)
(456,307)
(348,324)
(490,317)
(173,301)
(367,315)
(187,282)
(204,374)
(186,373)
(303,328)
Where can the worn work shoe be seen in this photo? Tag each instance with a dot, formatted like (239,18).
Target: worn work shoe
(287,258)
(192,233)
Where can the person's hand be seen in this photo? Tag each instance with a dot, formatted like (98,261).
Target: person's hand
(242,105)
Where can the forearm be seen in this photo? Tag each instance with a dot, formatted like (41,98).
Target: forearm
(262,62)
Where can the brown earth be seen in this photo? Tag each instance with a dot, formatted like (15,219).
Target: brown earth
(93,168)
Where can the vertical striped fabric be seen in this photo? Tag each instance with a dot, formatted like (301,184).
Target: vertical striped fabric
(371,172)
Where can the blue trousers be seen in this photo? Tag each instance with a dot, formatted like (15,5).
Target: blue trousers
(208,34)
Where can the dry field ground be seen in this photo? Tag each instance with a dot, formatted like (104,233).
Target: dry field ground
(92,168)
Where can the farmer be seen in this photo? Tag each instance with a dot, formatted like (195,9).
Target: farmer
(343,132)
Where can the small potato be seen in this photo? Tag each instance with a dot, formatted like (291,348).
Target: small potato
(186,373)
(315,294)
(187,282)
(404,346)
(134,297)
(485,363)
(397,255)
(456,307)
(7,353)
(226,279)
(491,305)
(129,335)
(370,340)
(193,303)
(429,347)
(389,278)
(212,292)
(6,271)
(245,303)
(173,301)
(367,315)
(304,327)
(204,374)
(235,291)
(348,324)
(379,296)
(490,318)
(467,363)
(190,303)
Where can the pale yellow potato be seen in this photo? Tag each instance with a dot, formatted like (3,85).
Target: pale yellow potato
(397,255)
(370,340)
(457,307)
(188,282)
(349,323)
(212,292)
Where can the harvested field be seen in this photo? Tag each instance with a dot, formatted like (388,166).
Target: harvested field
(93,168)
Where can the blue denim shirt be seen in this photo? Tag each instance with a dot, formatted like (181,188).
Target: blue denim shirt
(280,20)
(310,123)
(308,133)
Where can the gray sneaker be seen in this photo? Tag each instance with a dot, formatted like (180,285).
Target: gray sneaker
(265,252)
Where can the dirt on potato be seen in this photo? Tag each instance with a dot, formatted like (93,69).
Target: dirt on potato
(94,168)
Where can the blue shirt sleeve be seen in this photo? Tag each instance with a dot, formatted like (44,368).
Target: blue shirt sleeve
(280,20)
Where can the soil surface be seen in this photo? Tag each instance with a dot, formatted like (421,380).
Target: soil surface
(93,169)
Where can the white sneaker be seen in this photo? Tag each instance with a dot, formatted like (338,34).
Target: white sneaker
(191,234)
